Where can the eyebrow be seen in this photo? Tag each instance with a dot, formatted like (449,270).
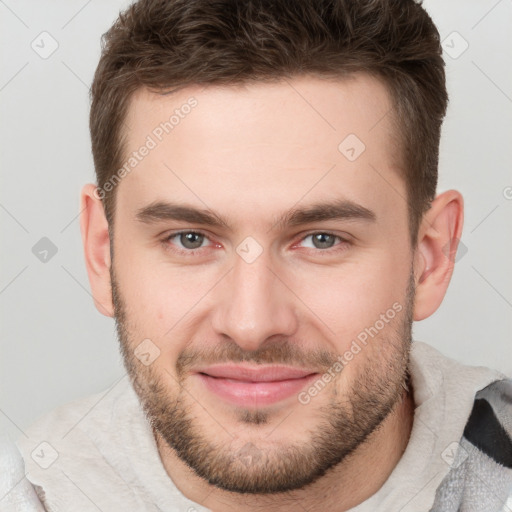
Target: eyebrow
(332,210)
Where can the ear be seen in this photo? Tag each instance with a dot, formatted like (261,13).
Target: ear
(96,242)
(438,239)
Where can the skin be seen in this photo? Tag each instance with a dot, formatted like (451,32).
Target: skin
(250,154)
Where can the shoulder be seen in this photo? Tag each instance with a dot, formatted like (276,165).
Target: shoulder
(64,450)
(71,429)
(489,426)
(61,421)
(481,470)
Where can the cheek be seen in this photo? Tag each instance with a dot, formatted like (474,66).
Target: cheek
(160,299)
(351,298)
(150,284)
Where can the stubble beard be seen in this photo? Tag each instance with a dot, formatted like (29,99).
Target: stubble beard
(249,466)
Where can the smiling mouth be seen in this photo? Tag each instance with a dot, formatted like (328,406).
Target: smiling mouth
(250,386)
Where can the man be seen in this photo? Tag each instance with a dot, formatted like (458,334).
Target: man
(264,230)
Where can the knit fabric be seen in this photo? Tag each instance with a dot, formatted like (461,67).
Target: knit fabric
(99,452)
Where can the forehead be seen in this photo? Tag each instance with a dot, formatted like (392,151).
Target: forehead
(323,107)
(261,143)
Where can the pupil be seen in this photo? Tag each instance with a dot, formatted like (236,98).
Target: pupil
(191,240)
(323,240)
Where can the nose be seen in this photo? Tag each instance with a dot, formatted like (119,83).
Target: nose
(254,304)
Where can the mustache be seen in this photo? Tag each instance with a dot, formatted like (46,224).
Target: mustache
(282,352)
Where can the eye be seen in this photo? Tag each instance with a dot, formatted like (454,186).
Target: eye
(186,241)
(323,240)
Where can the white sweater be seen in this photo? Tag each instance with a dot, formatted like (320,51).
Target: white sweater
(98,453)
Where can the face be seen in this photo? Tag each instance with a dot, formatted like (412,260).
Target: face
(262,275)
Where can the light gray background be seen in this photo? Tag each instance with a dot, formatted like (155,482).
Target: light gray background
(56,347)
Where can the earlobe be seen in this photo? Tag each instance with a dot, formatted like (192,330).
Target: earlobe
(438,239)
(96,244)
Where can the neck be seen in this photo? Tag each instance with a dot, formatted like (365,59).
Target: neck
(355,479)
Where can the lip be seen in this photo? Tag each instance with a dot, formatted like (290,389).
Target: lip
(247,373)
(254,386)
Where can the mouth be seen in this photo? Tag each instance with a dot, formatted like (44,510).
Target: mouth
(254,386)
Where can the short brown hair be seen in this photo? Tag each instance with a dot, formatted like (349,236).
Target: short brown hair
(169,44)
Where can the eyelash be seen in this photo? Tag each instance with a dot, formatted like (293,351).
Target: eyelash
(191,252)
